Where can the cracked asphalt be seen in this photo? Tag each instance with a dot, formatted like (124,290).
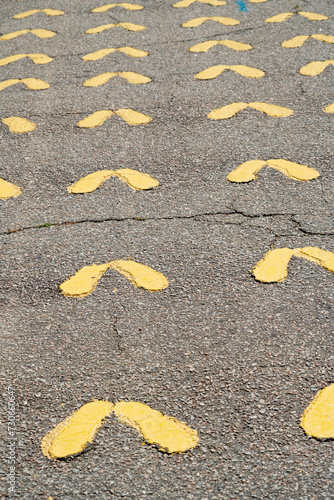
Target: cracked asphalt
(236,359)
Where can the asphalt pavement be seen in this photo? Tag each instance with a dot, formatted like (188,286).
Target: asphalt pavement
(236,359)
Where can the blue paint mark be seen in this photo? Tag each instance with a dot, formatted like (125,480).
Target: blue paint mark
(242,6)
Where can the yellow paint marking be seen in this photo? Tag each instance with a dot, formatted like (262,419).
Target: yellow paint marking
(71,436)
(316,67)
(298,41)
(279,18)
(99,117)
(136,180)
(228,21)
(186,3)
(130,76)
(48,12)
(214,71)
(36,59)
(329,108)
(19,125)
(41,33)
(248,171)
(231,44)
(318,418)
(127,26)
(231,109)
(274,266)
(169,434)
(30,83)
(128,6)
(312,16)
(100,54)
(8,190)
(84,282)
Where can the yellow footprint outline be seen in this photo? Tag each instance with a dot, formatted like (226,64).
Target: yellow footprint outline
(18,125)
(30,83)
(273,267)
(314,68)
(129,76)
(298,41)
(317,419)
(248,171)
(284,16)
(215,71)
(8,190)
(100,54)
(138,181)
(98,118)
(127,26)
(227,21)
(231,44)
(125,5)
(48,12)
(35,58)
(72,436)
(232,109)
(84,281)
(39,32)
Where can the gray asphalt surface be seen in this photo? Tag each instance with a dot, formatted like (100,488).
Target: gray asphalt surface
(236,359)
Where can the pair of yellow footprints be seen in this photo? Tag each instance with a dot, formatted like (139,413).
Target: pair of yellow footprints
(72,436)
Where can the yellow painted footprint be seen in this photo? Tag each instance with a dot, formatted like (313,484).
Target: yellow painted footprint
(18,125)
(232,109)
(36,59)
(231,44)
(227,21)
(311,16)
(318,418)
(329,108)
(40,33)
(136,180)
(30,83)
(314,68)
(48,12)
(129,76)
(126,26)
(298,41)
(71,437)
(130,116)
(214,71)
(100,54)
(8,190)
(127,6)
(186,3)
(84,282)
(248,171)
(274,265)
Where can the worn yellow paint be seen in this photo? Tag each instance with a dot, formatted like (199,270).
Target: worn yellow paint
(30,83)
(214,71)
(48,12)
(231,109)
(99,117)
(298,41)
(312,16)
(228,21)
(274,266)
(100,54)
(40,32)
(130,76)
(71,436)
(84,282)
(127,26)
(140,275)
(318,418)
(36,59)
(136,180)
(279,18)
(314,68)
(169,434)
(231,44)
(125,5)
(329,108)
(247,171)
(8,190)
(19,125)
(186,3)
